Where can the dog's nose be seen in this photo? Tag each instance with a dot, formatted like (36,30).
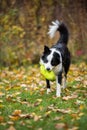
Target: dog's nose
(48,69)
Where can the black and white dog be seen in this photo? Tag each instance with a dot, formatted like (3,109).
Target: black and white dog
(57,58)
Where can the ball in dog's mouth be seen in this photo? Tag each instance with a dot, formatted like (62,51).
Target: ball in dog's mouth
(48,74)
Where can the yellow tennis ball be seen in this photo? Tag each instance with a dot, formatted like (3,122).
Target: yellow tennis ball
(47,74)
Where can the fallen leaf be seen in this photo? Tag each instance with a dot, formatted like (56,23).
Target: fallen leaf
(81,106)
(64,111)
(16,112)
(74,115)
(10,122)
(58,118)
(79,102)
(36,117)
(11,128)
(60,126)
(40,129)
(47,113)
(74,128)
(37,102)
(1,94)
(14,118)
(28,116)
(81,114)
(1,119)
(1,101)
(69,97)
(1,106)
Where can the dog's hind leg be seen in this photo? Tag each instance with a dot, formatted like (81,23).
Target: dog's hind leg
(48,86)
(64,81)
(58,82)
(66,69)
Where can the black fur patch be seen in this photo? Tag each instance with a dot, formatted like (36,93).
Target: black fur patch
(56,59)
(46,52)
(44,58)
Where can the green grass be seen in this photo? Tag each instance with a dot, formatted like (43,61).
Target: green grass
(46,121)
(42,109)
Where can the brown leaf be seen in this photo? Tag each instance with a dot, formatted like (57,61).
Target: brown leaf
(37,102)
(10,122)
(28,116)
(11,128)
(16,113)
(60,126)
(58,118)
(1,94)
(64,111)
(74,128)
(36,117)
(1,119)
(69,97)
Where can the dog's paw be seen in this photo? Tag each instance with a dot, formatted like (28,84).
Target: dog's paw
(58,95)
(64,86)
(48,90)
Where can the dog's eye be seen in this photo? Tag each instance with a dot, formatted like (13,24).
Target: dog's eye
(44,59)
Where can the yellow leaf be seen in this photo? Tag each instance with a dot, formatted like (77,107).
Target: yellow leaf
(39,100)
(1,106)
(14,118)
(81,114)
(74,128)
(81,106)
(1,101)
(47,113)
(1,94)
(41,108)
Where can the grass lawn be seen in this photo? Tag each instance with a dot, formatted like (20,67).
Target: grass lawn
(24,104)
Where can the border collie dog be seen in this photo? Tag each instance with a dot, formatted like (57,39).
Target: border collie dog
(57,58)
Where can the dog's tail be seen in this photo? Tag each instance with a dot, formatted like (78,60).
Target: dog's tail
(59,26)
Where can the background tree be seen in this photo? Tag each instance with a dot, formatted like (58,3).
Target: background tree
(24,26)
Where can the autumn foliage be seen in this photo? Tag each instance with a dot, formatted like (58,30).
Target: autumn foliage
(24,27)
(24,103)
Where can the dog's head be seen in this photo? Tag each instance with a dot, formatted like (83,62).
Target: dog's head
(50,58)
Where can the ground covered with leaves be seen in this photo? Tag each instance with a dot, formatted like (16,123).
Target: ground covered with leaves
(24,104)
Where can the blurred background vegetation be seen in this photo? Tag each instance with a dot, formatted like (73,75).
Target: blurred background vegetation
(24,27)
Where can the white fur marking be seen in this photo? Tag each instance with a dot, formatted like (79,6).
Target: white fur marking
(48,90)
(53,28)
(58,88)
(64,82)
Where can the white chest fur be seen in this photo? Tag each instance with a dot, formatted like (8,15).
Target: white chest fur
(57,69)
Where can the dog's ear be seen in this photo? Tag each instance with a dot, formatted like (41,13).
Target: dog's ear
(46,49)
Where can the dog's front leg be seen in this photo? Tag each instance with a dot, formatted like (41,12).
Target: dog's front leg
(58,82)
(48,86)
